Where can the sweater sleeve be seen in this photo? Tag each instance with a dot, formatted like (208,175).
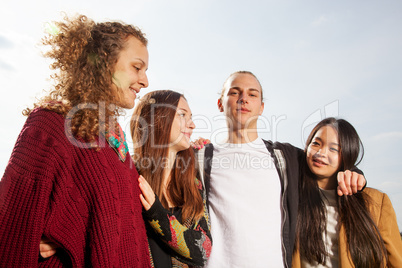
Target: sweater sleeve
(25,195)
(390,234)
(191,245)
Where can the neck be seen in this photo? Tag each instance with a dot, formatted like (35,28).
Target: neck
(242,135)
(166,173)
(168,168)
(327,183)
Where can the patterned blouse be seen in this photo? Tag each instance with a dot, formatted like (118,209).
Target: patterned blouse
(174,243)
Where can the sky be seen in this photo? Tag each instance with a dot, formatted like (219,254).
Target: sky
(314,58)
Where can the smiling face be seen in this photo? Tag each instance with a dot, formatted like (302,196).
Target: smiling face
(324,155)
(182,127)
(242,101)
(129,72)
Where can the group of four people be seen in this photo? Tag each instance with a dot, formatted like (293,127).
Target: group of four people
(72,185)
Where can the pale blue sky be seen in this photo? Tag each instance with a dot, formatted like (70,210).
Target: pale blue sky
(308,55)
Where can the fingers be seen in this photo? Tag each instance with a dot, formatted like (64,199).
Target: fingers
(144,203)
(350,182)
(361,181)
(344,183)
(148,196)
(353,182)
(340,193)
(47,248)
(200,143)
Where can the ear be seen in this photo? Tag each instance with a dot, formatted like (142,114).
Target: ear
(261,109)
(220,106)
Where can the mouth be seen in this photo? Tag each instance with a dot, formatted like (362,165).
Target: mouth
(134,90)
(319,163)
(187,134)
(243,110)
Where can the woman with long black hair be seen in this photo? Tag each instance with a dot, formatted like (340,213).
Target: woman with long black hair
(358,230)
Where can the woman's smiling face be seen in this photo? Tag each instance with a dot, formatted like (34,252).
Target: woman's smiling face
(324,153)
(130,72)
(182,127)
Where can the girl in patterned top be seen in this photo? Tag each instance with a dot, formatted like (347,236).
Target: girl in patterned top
(173,199)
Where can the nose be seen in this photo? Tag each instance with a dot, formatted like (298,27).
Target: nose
(190,124)
(322,151)
(242,98)
(143,80)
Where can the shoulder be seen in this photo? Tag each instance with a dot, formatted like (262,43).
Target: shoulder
(44,120)
(373,193)
(45,129)
(209,146)
(376,196)
(40,144)
(45,114)
(377,200)
(281,145)
(288,149)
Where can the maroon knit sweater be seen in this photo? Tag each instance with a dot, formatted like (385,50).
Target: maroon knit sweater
(87,201)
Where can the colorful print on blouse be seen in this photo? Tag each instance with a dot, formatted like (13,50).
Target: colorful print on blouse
(191,241)
(118,142)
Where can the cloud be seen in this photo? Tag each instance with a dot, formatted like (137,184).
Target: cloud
(5,43)
(391,187)
(301,44)
(6,66)
(321,20)
(387,136)
(15,48)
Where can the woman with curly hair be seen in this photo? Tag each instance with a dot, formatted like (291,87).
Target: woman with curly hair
(358,230)
(172,195)
(70,178)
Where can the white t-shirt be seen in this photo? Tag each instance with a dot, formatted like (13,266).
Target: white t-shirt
(244,201)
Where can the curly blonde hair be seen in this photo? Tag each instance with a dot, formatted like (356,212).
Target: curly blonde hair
(85,54)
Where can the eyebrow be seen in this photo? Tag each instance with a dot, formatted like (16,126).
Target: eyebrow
(183,110)
(250,89)
(142,62)
(332,143)
(254,89)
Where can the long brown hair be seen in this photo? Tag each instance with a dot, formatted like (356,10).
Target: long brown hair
(363,238)
(150,127)
(85,54)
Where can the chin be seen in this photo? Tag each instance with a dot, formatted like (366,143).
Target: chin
(317,172)
(126,105)
(183,147)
